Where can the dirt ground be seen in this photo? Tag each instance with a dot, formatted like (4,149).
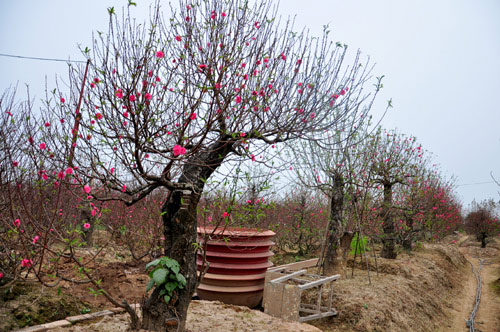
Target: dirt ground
(415,292)
(488,315)
(206,316)
(430,289)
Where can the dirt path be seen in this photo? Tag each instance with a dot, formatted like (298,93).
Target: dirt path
(488,315)
(462,307)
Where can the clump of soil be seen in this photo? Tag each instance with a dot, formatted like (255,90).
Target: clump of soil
(411,293)
(27,304)
(124,280)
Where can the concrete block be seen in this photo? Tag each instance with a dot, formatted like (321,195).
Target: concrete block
(57,323)
(271,302)
(37,328)
(79,318)
(290,303)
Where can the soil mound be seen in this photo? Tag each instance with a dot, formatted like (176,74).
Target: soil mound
(26,304)
(415,292)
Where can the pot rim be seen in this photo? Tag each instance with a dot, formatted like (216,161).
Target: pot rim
(234,231)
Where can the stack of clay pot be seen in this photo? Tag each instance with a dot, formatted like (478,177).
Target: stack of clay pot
(236,264)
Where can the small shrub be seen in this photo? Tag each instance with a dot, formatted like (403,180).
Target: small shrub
(361,247)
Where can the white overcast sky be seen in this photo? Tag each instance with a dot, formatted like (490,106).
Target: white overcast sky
(440,58)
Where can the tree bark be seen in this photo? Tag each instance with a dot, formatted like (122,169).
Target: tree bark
(483,236)
(407,244)
(86,216)
(334,225)
(388,239)
(179,222)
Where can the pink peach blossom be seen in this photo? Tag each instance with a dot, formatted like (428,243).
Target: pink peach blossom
(87,189)
(179,150)
(26,262)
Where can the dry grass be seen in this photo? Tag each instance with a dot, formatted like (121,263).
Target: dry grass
(411,293)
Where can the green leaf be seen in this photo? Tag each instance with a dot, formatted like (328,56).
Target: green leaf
(153,263)
(150,285)
(175,268)
(171,286)
(166,298)
(160,276)
(181,279)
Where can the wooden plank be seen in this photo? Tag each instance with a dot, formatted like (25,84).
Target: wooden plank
(288,276)
(330,297)
(314,311)
(306,306)
(300,280)
(319,282)
(317,316)
(320,293)
(296,266)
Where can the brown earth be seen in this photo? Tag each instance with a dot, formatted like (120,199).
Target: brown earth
(26,304)
(206,316)
(429,289)
(488,315)
(415,292)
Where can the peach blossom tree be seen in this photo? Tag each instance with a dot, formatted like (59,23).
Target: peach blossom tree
(167,102)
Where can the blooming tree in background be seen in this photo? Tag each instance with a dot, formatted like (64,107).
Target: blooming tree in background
(334,165)
(395,160)
(483,220)
(426,208)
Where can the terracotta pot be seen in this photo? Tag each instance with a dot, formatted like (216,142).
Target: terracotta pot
(238,261)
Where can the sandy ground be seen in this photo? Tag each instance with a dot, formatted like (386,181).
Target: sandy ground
(430,289)
(488,315)
(206,316)
(461,306)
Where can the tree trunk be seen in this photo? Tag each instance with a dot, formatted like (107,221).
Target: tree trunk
(388,239)
(483,236)
(180,233)
(407,243)
(87,218)
(334,225)
(179,222)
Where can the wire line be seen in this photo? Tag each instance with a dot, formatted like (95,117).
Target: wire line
(38,58)
(473,184)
